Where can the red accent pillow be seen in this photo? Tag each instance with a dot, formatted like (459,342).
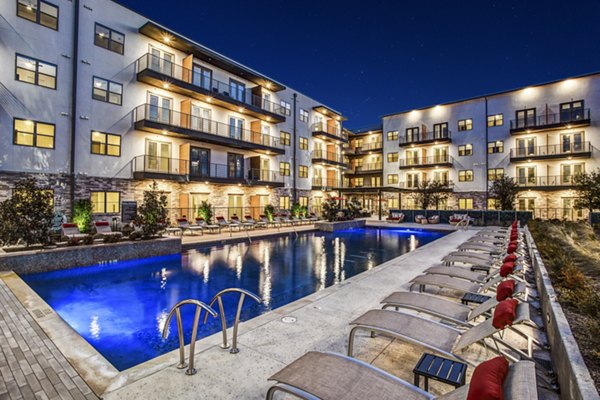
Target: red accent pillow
(487,380)
(181,220)
(505,290)
(511,249)
(510,257)
(199,219)
(102,223)
(507,268)
(69,225)
(505,313)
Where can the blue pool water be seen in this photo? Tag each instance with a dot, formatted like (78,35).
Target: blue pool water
(120,308)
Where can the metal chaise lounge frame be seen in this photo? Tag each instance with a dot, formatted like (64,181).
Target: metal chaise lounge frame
(324,375)
(210,227)
(458,284)
(184,225)
(439,337)
(467,274)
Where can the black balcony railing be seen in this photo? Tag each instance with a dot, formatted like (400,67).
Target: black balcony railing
(168,117)
(367,183)
(545,181)
(551,150)
(324,155)
(325,182)
(367,147)
(425,137)
(426,161)
(575,116)
(231,91)
(199,170)
(413,185)
(322,127)
(366,168)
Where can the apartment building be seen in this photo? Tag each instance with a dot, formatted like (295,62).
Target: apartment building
(541,135)
(97,101)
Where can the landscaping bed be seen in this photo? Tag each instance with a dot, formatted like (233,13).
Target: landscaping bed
(571,253)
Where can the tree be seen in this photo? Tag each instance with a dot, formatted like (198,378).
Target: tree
(431,193)
(354,207)
(27,215)
(504,189)
(269,211)
(588,190)
(205,211)
(331,208)
(152,213)
(82,215)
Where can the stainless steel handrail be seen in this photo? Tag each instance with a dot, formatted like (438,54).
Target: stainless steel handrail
(199,307)
(236,322)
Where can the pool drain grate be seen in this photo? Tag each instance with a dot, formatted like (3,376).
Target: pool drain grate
(288,320)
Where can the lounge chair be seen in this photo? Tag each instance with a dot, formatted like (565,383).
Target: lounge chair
(456,284)
(204,225)
(313,217)
(255,223)
(467,257)
(285,219)
(420,218)
(235,220)
(434,219)
(223,223)
(438,337)
(324,375)
(395,217)
(103,229)
(184,225)
(71,231)
(467,274)
(273,223)
(478,246)
(456,219)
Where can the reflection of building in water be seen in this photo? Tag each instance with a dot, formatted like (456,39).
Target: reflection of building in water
(94,327)
(413,242)
(265,277)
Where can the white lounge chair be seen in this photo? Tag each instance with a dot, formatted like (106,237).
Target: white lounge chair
(71,231)
(103,229)
(184,225)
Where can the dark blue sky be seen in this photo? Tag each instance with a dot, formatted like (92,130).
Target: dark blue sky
(368,58)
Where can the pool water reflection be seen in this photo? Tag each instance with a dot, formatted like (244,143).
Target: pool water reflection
(120,308)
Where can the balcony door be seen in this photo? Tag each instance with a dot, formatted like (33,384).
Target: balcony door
(569,171)
(265,170)
(199,162)
(202,77)
(158,156)
(572,142)
(525,147)
(160,108)
(412,157)
(441,176)
(526,118)
(440,131)
(526,203)
(526,176)
(412,180)
(236,128)
(161,61)
(440,155)
(572,111)
(235,205)
(196,200)
(201,118)
(237,90)
(235,166)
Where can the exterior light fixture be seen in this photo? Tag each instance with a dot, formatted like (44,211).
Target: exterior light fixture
(164,132)
(241,109)
(166,85)
(208,99)
(206,182)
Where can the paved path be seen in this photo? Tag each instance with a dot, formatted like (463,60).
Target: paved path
(31,367)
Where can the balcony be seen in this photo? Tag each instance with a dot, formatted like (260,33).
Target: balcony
(155,119)
(366,148)
(180,170)
(426,162)
(373,168)
(329,158)
(448,186)
(325,183)
(565,120)
(426,138)
(165,74)
(546,182)
(551,151)
(327,132)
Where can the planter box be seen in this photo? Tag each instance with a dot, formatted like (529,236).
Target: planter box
(339,225)
(26,262)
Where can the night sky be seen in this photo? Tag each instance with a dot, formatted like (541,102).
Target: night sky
(369,58)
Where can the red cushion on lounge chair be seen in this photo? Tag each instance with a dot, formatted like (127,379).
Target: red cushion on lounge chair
(199,219)
(69,225)
(510,257)
(505,313)
(487,380)
(511,248)
(507,269)
(102,223)
(505,290)
(181,220)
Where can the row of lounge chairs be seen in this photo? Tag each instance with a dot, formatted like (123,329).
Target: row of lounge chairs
(443,326)
(71,231)
(397,217)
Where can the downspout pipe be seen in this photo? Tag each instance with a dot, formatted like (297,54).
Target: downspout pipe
(74,79)
(487,156)
(294,151)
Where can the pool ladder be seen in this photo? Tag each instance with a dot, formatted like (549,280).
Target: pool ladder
(209,310)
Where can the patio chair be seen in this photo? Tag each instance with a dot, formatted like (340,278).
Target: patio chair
(434,219)
(223,223)
(285,219)
(268,223)
(204,225)
(71,231)
(257,223)
(478,246)
(103,229)
(468,274)
(325,375)
(313,217)
(184,225)
(395,217)
(420,218)
(456,284)
(235,221)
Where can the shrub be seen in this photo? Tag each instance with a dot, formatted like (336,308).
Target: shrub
(206,211)
(152,212)
(26,216)
(111,239)
(269,211)
(87,240)
(73,242)
(331,208)
(82,215)
(504,189)
(298,210)
(354,207)
(135,235)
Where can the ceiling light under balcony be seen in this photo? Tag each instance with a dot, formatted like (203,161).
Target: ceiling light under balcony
(166,85)
(164,132)
(206,182)
(166,39)
(241,109)
(208,99)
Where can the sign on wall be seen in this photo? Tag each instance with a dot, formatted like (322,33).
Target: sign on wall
(128,211)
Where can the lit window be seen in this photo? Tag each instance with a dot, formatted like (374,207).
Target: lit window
(392,157)
(392,135)
(495,120)
(303,143)
(285,138)
(393,203)
(36,72)
(392,179)
(109,39)
(465,150)
(284,168)
(465,175)
(303,201)
(285,107)
(38,11)
(465,204)
(495,173)
(106,144)
(284,203)
(107,91)
(465,124)
(303,171)
(496,147)
(493,204)
(105,202)
(303,115)
(34,134)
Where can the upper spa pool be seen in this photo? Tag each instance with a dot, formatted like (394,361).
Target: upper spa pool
(120,308)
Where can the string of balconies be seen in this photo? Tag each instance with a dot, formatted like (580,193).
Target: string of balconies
(549,151)
(442,160)
(565,119)
(433,137)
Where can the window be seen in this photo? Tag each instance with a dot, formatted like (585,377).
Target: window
(285,138)
(465,150)
(496,147)
(237,90)
(392,135)
(109,39)
(107,91)
(392,179)
(440,131)
(284,203)
(526,203)
(493,204)
(36,72)
(33,134)
(572,111)
(284,168)
(359,182)
(303,115)
(39,11)
(106,144)
(495,173)
(412,135)
(465,204)
(495,120)
(303,201)
(303,171)
(465,124)
(393,203)
(235,165)
(303,143)
(525,118)
(465,175)
(201,76)
(286,108)
(392,157)
(105,202)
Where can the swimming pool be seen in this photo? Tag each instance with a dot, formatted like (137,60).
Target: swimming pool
(120,308)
